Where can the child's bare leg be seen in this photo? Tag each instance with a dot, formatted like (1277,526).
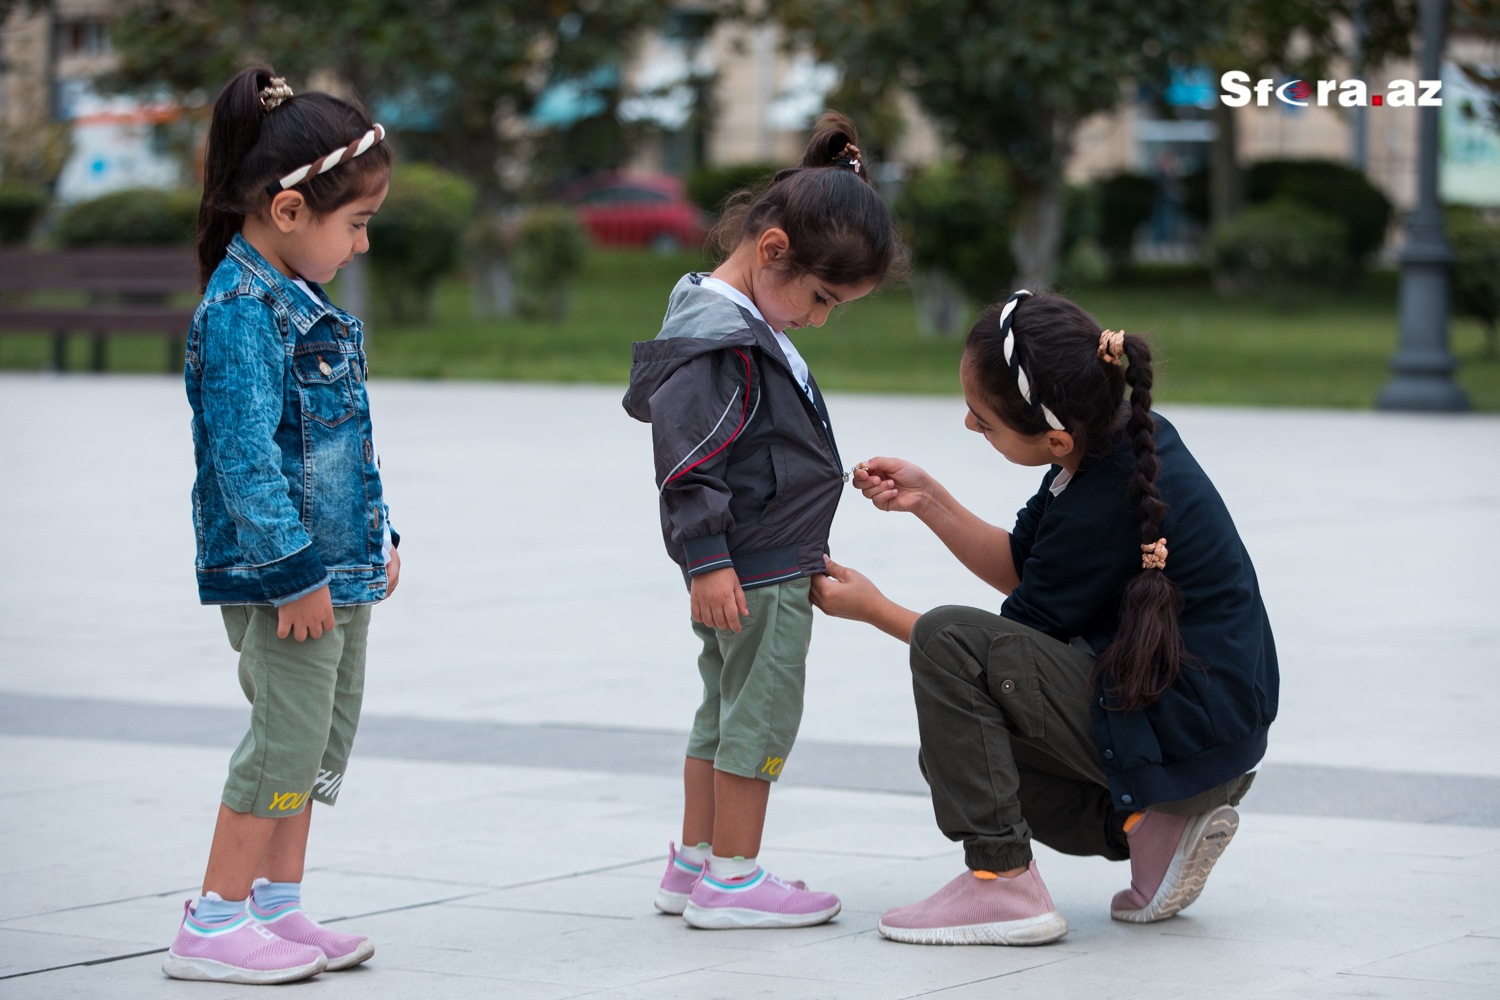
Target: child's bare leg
(240,842)
(739,814)
(697,802)
(288,849)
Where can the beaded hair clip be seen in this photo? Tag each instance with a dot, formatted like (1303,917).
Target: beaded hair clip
(1154,554)
(849,156)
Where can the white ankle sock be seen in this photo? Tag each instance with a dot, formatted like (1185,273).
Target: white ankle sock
(695,855)
(731,868)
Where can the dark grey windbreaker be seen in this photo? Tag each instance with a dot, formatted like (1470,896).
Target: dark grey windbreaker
(747,466)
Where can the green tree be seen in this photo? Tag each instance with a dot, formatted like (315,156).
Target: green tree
(1483,18)
(1008,78)
(450,73)
(1301,38)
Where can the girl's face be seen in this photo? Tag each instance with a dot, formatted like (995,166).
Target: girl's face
(1048,448)
(316,247)
(792,303)
(805,300)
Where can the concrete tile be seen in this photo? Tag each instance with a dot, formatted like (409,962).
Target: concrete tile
(718,984)
(24,951)
(1470,960)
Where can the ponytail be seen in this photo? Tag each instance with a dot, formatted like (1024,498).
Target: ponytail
(837,224)
(258,133)
(1074,376)
(1147,655)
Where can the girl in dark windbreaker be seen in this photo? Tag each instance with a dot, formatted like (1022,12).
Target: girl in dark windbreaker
(750,476)
(1118,702)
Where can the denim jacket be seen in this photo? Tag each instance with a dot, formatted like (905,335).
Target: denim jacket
(287,497)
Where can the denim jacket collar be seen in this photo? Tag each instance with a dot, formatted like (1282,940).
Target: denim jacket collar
(301,310)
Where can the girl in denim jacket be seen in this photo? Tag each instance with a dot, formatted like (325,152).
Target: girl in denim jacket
(293,534)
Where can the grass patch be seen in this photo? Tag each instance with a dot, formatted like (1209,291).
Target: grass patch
(1333,352)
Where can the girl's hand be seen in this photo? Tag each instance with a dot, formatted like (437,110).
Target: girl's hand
(847,593)
(894,484)
(718,600)
(392,573)
(308,617)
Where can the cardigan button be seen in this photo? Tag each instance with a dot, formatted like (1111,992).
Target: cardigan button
(1126,799)
(1101,702)
(1109,755)
(1007,686)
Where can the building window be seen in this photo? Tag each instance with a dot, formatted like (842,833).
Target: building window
(82,39)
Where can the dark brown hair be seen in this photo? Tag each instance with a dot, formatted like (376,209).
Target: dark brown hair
(1058,343)
(837,224)
(249,147)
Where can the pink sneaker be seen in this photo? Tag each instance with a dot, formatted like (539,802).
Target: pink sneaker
(973,909)
(677,883)
(1170,858)
(760,899)
(288,922)
(238,951)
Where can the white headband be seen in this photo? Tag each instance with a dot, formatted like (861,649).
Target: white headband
(323,164)
(1022,382)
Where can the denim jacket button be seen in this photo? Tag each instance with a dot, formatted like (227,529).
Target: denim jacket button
(325,368)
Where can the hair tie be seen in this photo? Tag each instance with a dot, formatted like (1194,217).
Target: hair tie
(276,94)
(849,157)
(1013,359)
(1154,554)
(323,164)
(1112,346)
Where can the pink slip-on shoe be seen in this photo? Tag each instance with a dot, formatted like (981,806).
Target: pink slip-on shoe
(1170,858)
(760,899)
(238,951)
(287,921)
(980,908)
(677,883)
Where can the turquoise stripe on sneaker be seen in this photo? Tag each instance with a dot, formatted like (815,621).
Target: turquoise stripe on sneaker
(751,883)
(211,930)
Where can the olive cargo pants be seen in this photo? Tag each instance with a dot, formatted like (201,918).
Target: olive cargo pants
(1008,742)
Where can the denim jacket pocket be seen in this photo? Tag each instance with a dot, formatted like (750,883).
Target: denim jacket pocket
(324,383)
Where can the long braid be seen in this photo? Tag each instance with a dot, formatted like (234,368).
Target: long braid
(1147,655)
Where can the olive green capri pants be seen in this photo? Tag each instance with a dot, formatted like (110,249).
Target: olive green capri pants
(753,681)
(304,709)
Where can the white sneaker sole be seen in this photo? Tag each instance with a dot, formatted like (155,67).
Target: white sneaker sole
(1044,929)
(723,918)
(363,953)
(1201,845)
(207,970)
(671,902)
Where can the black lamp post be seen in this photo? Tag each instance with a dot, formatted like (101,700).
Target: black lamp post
(1422,365)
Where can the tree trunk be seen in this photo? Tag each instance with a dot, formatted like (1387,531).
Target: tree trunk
(1226,179)
(492,290)
(1037,238)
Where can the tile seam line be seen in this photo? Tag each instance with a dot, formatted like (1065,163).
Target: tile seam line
(79,965)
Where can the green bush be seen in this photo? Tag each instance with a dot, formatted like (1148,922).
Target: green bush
(138,217)
(1125,203)
(550,247)
(1280,247)
(1332,189)
(710,187)
(417,236)
(20,206)
(1476,272)
(956,219)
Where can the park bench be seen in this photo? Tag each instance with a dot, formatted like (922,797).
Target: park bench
(127,291)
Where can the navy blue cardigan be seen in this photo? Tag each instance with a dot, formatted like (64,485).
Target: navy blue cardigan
(1074,554)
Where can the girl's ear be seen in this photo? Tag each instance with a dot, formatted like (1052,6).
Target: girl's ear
(288,209)
(772,246)
(1060,443)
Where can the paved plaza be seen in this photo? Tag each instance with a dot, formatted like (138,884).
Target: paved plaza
(514,784)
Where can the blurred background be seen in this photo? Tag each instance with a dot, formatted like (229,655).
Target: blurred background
(560,163)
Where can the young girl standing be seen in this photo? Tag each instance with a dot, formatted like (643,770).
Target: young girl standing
(750,476)
(294,540)
(1118,702)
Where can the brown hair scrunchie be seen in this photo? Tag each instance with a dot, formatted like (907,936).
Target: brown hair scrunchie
(1111,346)
(1154,554)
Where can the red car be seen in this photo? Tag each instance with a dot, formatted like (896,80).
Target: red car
(637,210)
